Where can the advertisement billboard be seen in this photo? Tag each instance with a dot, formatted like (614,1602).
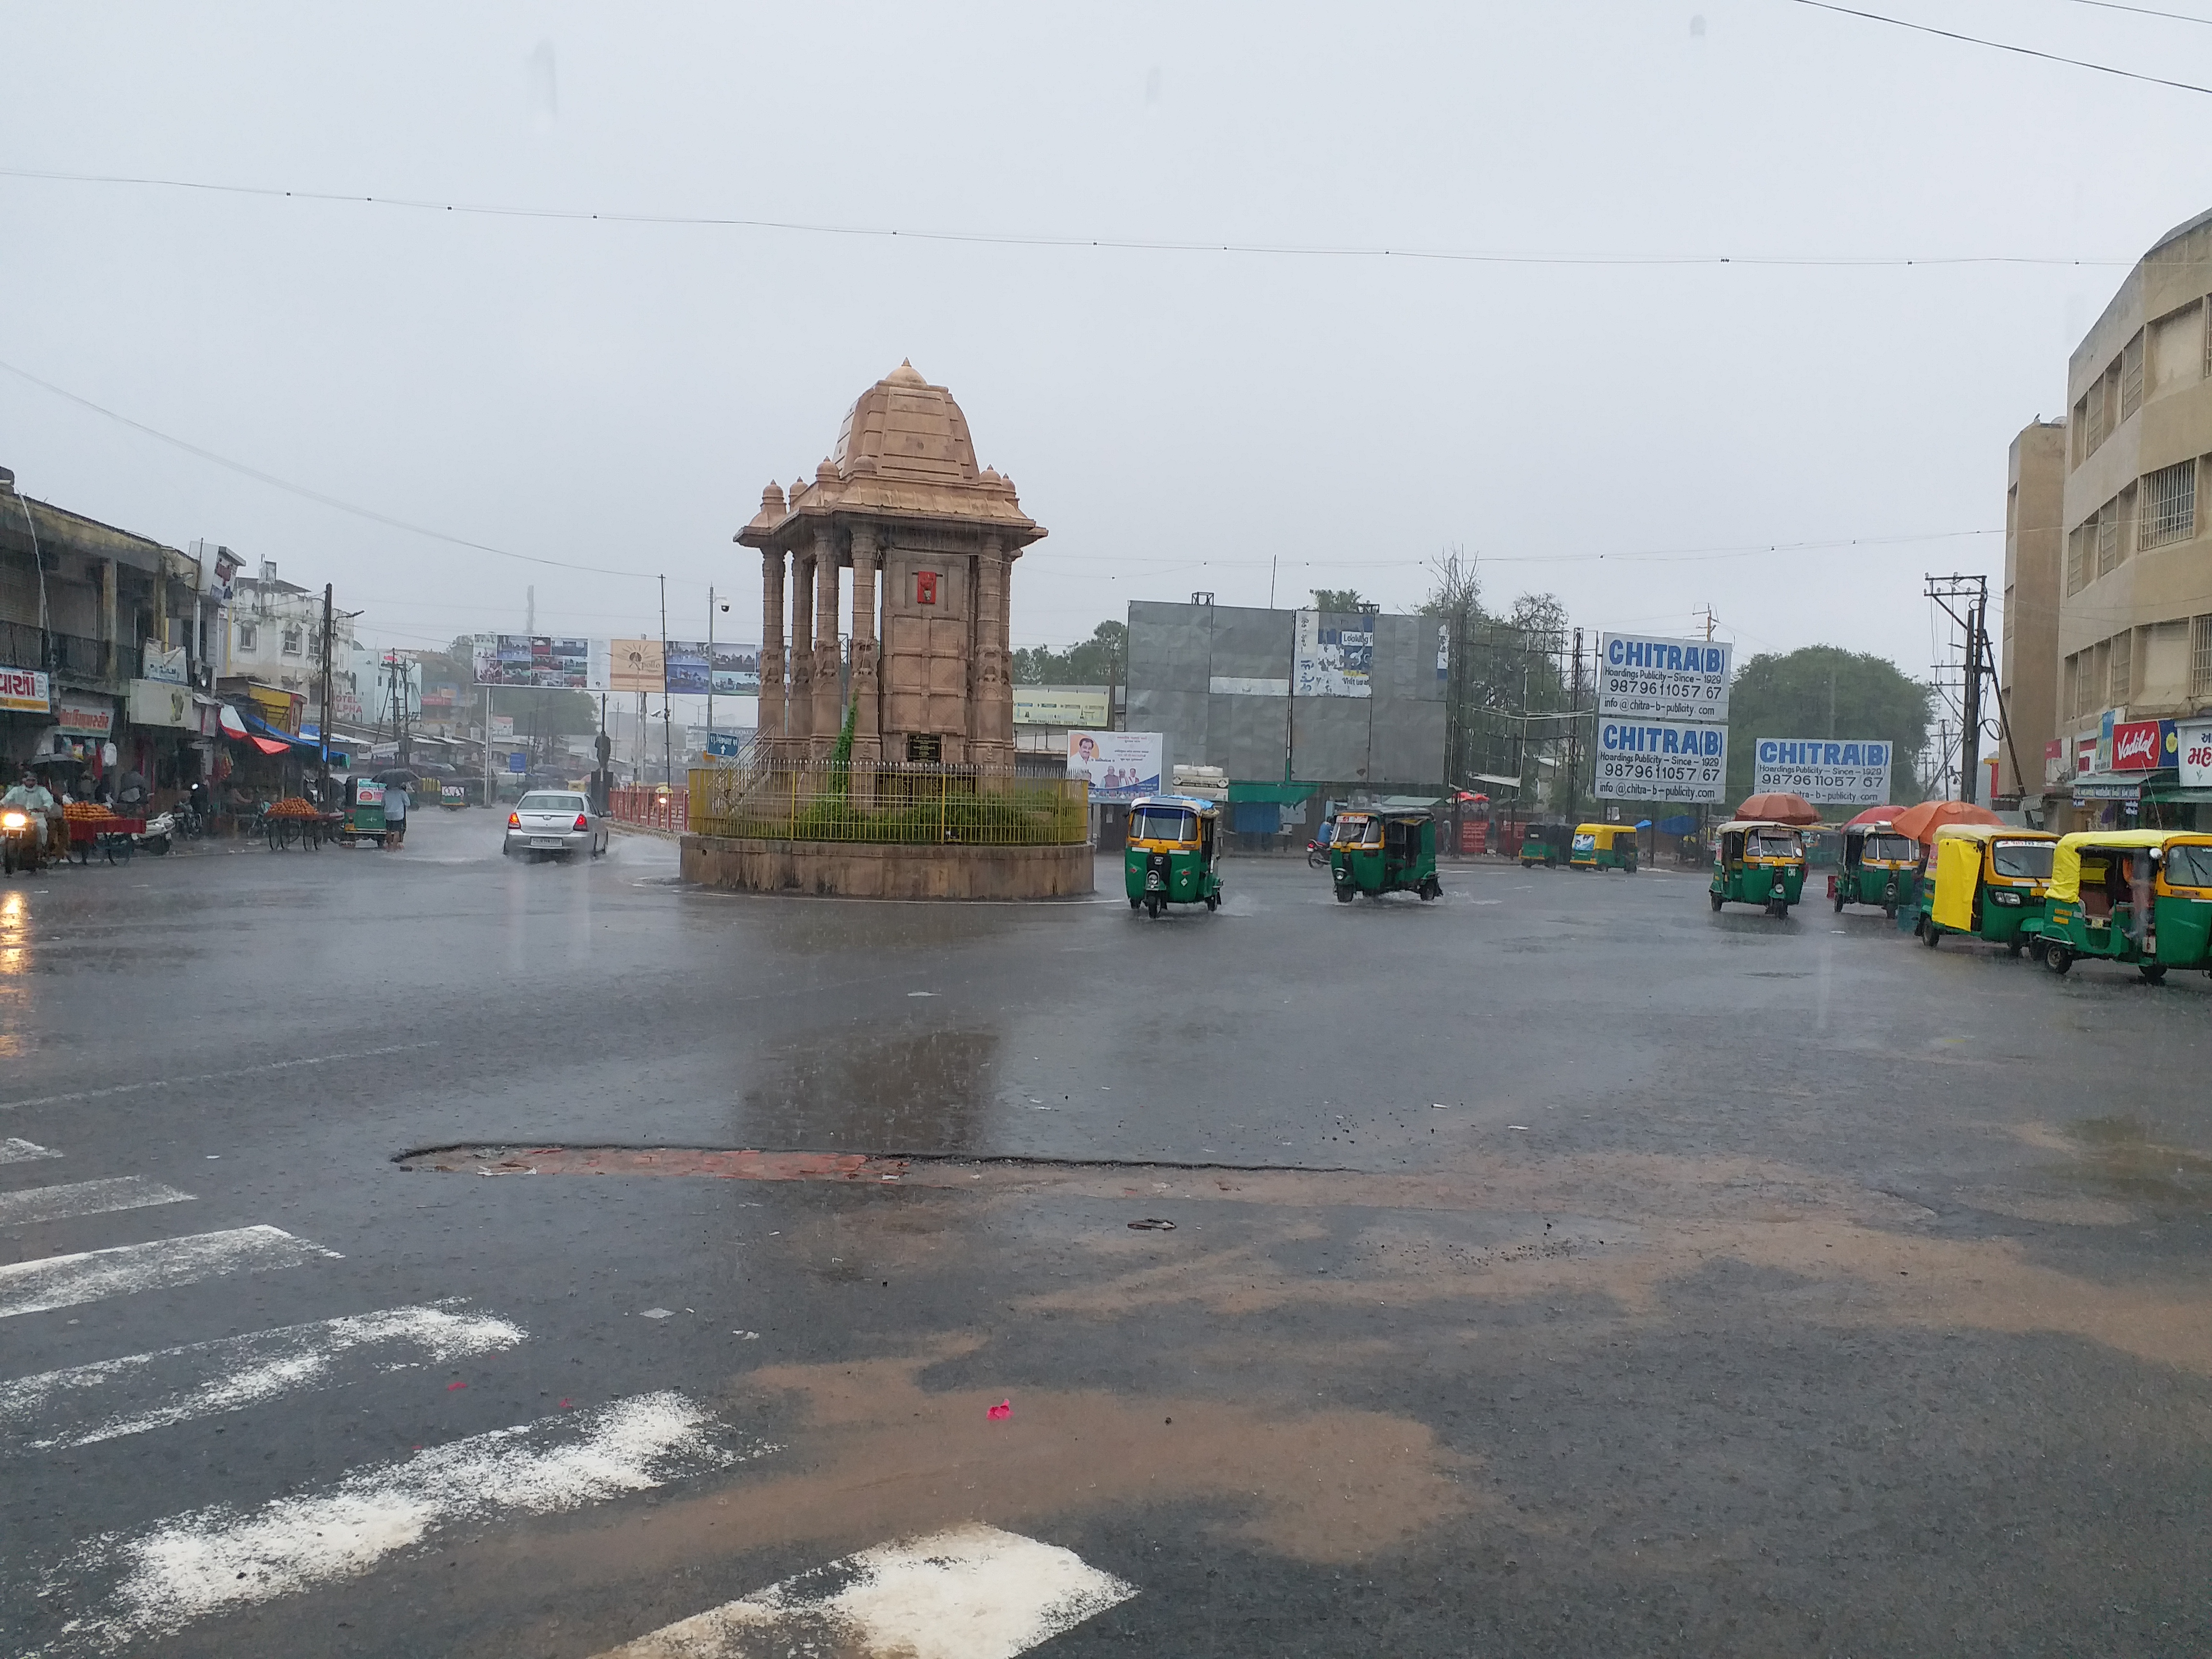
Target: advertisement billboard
(1650,677)
(1661,761)
(1841,772)
(25,691)
(1331,660)
(737,669)
(1118,764)
(2144,745)
(636,665)
(1060,705)
(541,660)
(2193,753)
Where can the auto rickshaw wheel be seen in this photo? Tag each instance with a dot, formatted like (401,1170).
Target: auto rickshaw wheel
(2057,958)
(1152,905)
(1930,934)
(2153,973)
(1716,898)
(1213,901)
(1136,904)
(2013,949)
(1839,904)
(1343,895)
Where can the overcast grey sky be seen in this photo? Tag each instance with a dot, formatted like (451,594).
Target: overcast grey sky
(616,395)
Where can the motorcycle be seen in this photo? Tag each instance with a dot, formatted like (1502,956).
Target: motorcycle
(19,840)
(156,836)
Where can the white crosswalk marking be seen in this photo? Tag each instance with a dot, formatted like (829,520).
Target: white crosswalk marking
(64,1281)
(85,1198)
(156,1581)
(145,1391)
(972,1593)
(15,1150)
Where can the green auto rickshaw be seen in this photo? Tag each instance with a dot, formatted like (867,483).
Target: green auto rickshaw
(1881,866)
(1548,844)
(1379,853)
(1987,881)
(364,813)
(1602,846)
(2130,896)
(1173,854)
(1755,862)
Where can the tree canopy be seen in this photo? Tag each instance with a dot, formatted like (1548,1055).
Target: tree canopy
(1345,601)
(1101,660)
(1824,691)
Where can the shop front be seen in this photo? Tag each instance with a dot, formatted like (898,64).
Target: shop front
(27,714)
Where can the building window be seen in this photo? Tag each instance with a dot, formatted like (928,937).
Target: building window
(2094,431)
(2123,656)
(2208,336)
(294,641)
(249,636)
(314,646)
(2070,687)
(2111,400)
(2131,376)
(2169,497)
(2079,439)
(2200,656)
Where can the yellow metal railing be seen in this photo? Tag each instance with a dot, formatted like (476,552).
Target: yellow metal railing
(780,799)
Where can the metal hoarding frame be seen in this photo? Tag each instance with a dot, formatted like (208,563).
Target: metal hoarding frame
(1332,661)
(539,661)
(1120,765)
(2193,744)
(1651,678)
(1680,763)
(1828,772)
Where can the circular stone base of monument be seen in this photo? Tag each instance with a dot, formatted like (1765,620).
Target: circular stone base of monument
(837,869)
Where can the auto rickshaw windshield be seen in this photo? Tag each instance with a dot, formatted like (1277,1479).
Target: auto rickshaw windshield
(2188,865)
(1774,844)
(2023,861)
(1176,824)
(1892,849)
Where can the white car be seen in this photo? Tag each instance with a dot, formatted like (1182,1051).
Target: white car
(550,823)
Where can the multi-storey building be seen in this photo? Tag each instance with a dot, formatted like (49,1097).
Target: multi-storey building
(2035,545)
(2134,645)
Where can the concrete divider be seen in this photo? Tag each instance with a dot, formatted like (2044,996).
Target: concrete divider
(872,869)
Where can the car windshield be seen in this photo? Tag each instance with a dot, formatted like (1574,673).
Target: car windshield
(1176,823)
(2023,861)
(2188,865)
(550,803)
(1895,849)
(1774,844)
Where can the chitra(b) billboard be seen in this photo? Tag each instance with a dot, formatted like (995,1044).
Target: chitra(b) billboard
(1648,678)
(1826,771)
(1671,761)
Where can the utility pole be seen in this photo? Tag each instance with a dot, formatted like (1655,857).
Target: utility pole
(323,723)
(710,670)
(1973,591)
(667,739)
(1575,731)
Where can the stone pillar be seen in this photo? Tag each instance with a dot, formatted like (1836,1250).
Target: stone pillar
(772,662)
(798,701)
(828,692)
(993,718)
(868,737)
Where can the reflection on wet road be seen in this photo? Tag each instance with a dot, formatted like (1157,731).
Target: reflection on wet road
(1559,1268)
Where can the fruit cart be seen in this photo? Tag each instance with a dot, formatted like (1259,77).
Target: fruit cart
(92,829)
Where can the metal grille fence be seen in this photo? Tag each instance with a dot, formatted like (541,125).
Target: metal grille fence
(652,809)
(782,799)
(2169,505)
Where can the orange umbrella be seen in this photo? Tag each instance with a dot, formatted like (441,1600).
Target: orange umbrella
(1875,815)
(1922,822)
(1779,809)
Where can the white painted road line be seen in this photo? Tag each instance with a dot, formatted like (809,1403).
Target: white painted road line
(972,1593)
(85,1198)
(143,1391)
(64,1281)
(212,1077)
(13,1151)
(156,1581)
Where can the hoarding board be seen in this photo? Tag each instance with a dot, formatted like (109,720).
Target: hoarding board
(737,669)
(2143,746)
(25,691)
(1060,705)
(1661,761)
(86,717)
(636,665)
(542,660)
(2054,761)
(1120,765)
(1649,678)
(1841,772)
(1329,659)
(2193,747)
(157,702)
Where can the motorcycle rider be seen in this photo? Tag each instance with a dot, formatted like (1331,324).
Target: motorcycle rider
(38,800)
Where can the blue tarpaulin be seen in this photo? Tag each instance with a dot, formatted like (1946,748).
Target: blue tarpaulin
(1682,824)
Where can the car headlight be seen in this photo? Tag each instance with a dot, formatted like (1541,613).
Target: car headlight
(2003,897)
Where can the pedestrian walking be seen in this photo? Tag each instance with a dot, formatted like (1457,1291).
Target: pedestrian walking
(395,814)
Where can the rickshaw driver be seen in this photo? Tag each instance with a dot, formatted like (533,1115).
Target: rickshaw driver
(38,800)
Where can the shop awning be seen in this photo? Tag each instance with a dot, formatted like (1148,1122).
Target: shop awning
(2174,794)
(270,740)
(2122,786)
(268,746)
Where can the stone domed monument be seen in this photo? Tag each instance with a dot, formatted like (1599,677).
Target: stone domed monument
(900,499)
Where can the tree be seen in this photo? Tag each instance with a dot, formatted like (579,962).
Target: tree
(1824,691)
(1101,660)
(1344,601)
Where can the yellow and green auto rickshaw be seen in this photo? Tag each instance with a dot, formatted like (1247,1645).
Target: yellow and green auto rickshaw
(2130,896)
(1379,853)
(364,813)
(1755,862)
(1986,881)
(1881,866)
(1603,847)
(1548,844)
(1173,854)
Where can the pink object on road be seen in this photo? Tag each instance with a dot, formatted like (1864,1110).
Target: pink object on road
(1000,1411)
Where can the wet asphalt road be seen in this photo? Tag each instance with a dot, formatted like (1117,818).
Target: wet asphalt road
(1559,1268)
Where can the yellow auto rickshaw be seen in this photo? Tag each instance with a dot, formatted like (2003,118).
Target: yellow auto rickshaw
(1602,846)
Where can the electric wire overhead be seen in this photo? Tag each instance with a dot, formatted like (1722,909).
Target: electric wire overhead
(2006,46)
(1038,239)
